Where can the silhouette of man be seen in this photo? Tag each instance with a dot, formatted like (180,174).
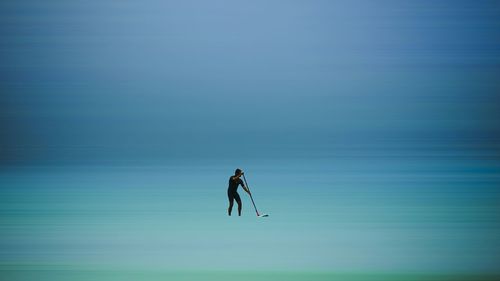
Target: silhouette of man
(232,193)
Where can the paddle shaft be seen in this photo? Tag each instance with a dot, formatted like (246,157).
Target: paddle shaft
(246,184)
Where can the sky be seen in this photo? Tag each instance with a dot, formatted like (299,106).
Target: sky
(368,129)
(132,81)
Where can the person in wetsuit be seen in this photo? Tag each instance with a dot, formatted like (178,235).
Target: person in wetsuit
(232,194)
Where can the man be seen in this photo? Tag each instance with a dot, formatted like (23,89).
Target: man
(232,194)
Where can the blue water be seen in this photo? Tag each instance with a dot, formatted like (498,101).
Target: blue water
(381,214)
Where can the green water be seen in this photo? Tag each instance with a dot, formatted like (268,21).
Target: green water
(48,273)
(163,223)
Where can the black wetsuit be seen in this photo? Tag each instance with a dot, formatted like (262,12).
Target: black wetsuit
(232,193)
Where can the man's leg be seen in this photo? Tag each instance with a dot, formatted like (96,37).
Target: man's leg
(231,202)
(238,200)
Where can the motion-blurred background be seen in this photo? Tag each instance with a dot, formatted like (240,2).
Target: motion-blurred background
(369,130)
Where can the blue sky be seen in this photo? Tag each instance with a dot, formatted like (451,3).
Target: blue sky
(150,81)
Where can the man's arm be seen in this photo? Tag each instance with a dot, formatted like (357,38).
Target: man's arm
(244,187)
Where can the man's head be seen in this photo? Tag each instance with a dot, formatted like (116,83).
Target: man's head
(238,172)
